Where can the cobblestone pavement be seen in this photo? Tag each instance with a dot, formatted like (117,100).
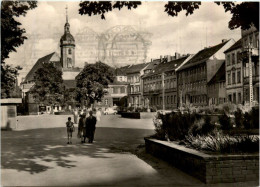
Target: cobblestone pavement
(36,154)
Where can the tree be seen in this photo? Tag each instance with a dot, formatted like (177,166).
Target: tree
(244,14)
(9,81)
(48,87)
(12,36)
(92,82)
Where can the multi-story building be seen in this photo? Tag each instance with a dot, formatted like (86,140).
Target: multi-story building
(250,52)
(160,85)
(194,75)
(234,73)
(135,90)
(217,87)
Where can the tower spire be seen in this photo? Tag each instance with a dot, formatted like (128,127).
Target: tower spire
(66,13)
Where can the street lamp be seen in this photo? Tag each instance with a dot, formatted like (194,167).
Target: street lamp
(249,49)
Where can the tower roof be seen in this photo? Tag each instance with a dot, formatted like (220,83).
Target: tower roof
(67,38)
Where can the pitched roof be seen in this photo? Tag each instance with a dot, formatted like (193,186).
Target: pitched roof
(38,64)
(152,64)
(167,66)
(220,75)
(136,68)
(236,45)
(203,55)
(121,71)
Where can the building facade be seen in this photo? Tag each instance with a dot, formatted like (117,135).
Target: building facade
(160,85)
(135,89)
(217,87)
(194,75)
(234,74)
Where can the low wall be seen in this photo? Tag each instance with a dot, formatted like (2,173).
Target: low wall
(138,115)
(207,168)
(133,115)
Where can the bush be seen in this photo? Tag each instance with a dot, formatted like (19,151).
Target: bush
(177,125)
(160,132)
(239,118)
(255,117)
(247,122)
(224,143)
(225,122)
(202,126)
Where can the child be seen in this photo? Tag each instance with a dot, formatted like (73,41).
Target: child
(70,129)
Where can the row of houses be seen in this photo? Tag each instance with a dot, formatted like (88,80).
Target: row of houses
(214,75)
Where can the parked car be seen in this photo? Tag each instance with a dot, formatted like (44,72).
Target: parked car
(110,111)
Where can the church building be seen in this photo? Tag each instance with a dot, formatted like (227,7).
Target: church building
(65,62)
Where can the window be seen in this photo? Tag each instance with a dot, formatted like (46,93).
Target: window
(228,60)
(234,98)
(69,51)
(175,99)
(233,78)
(239,98)
(238,76)
(106,101)
(122,90)
(171,99)
(112,90)
(233,58)
(229,79)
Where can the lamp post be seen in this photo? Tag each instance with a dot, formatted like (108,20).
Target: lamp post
(251,96)
(163,90)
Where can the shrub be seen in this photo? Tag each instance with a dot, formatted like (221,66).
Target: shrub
(223,143)
(255,117)
(177,125)
(239,118)
(160,132)
(202,126)
(225,122)
(247,121)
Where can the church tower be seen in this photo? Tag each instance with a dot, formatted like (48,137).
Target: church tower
(67,47)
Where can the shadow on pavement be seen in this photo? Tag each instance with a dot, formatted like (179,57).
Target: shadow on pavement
(25,150)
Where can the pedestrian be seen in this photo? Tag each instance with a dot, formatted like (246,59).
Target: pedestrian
(91,126)
(70,129)
(98,114)
(75,114)
(82,122)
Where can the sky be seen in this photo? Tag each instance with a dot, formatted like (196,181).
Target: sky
(166,35)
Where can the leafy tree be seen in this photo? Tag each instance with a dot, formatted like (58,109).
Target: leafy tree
(12,36)
(244,14)
(8,81)
(48,87)
(92,82)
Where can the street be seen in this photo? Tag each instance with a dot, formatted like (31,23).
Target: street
(36,154)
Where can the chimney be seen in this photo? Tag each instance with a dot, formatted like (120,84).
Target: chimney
(177,55)
(224,40)
(160,58)
(168,58)
(151,60)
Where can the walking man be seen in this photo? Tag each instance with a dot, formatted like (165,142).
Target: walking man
(91,126)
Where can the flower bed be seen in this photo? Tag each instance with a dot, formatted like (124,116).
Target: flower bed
(207,168)
(204,142)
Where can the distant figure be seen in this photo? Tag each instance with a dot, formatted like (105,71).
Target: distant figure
(81,127)
(70,129)
(75,114)
(91,126)
(98,114)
